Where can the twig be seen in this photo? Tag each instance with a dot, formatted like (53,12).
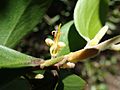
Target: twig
(82,54)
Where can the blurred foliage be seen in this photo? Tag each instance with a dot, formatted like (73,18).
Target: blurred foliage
(114,17)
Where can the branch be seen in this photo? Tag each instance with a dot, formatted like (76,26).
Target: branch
(50,62)
(82,54)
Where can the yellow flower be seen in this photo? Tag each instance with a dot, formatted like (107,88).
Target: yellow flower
(55,45)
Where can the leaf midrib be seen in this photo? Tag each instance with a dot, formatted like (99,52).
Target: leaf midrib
(15,24)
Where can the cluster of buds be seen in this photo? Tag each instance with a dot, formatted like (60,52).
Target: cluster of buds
(54,44)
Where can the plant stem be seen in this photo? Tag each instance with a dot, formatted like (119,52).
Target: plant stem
(82,54)
(51,62)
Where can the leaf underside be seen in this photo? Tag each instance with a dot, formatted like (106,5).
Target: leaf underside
(13,59)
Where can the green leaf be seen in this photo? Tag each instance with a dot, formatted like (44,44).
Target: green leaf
(10,13)
(89,16)
(73,82)
(71,38)
(69,81)
(18,18)
(12,59)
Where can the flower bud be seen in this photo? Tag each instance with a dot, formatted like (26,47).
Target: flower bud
(39,76)
(49,41)
(61,44)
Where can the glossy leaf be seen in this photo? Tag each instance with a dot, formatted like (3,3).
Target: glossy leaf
(69,81)
(73,82)
(12,59)
(71,38)
(89,16)
(20,17)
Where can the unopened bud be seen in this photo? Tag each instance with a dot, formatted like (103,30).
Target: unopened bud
(49,41)
(39,76)
(70,65)
(61,44)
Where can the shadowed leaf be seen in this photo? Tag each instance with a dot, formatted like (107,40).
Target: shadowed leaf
(71,38)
